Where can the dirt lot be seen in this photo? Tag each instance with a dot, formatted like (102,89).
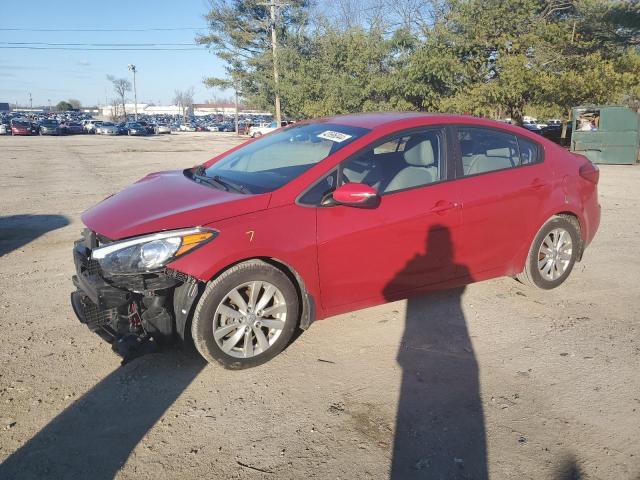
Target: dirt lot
(491,380)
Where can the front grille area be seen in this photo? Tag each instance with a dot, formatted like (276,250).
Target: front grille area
(92,267)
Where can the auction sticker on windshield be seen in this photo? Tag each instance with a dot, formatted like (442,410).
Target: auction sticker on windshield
(334,136)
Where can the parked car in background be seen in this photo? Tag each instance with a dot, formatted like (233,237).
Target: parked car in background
(384,206)
(74,128)
(50,127)
(150,129)
(162,128)
(259,130)
(122,128)
(107,128)
(134,128)
(532,127)
(90,126)
(4,128)
(22,126)
(187,127)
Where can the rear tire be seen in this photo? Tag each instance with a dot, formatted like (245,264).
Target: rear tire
(218,311)
(552,254)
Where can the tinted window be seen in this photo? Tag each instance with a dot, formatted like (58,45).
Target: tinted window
(528,151)
(485,150)
(405,161)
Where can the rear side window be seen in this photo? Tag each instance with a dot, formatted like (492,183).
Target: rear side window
(528,151)
(485,150)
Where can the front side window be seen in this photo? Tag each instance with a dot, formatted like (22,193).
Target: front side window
(274,160)
(406,161)
(486,150)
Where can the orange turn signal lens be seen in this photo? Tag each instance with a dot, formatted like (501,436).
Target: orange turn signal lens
(192,241)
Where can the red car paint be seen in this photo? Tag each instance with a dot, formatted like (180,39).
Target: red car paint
(343,256)
(21,130)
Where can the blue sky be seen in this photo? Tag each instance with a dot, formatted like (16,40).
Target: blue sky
(62,74)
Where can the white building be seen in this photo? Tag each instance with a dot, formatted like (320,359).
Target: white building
(198,110)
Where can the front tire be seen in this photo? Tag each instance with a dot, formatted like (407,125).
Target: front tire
(553,253)
(246,316)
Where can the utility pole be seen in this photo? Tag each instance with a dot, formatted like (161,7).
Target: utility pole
(135,90)
(30,101)
(236,95)
(274,46)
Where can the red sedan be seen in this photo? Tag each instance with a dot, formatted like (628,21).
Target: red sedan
(325,217)
(23,127)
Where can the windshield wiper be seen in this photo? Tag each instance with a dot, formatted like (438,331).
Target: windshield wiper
(217,181)
(235,186)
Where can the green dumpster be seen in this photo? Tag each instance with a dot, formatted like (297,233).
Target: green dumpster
(606,134)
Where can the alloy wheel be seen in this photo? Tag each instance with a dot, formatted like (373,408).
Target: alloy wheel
(554,254)
(249,319)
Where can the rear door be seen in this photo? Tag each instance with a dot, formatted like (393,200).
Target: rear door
(503,182)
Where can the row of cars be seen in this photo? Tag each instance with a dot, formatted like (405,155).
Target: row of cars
(100,127)
(51,126)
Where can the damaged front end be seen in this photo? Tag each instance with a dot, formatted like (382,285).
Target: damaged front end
(134,311)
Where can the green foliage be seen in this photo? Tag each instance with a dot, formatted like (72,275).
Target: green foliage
(483,57)
(63,106)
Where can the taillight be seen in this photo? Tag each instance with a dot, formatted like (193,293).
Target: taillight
(590,172)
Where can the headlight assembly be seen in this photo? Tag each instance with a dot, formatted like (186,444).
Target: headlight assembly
(150,253)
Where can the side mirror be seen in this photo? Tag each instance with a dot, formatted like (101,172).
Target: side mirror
(356,195)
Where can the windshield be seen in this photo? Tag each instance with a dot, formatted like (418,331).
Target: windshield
(274,160)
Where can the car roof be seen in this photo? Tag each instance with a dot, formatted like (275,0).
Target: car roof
(375,120)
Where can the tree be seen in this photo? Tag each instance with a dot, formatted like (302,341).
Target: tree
(121,86)
(75,103)
(484,57)
(63,106)
(184,100)
(240,35)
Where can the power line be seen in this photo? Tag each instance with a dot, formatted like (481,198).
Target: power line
(101,44)
(160,49)
(99,29)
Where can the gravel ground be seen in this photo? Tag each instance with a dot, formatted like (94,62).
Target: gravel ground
(493,380)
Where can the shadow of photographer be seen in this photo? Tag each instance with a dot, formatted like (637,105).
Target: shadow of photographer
(440,432)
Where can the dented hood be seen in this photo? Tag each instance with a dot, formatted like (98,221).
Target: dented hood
(166,201)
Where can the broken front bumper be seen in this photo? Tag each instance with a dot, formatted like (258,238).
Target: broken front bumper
(127,310)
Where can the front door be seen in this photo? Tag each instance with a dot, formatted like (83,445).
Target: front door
(405,243)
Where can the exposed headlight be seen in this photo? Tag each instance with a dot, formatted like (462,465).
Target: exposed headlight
(149,253)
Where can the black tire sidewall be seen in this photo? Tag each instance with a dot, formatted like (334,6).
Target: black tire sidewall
(534,272)
(202,328)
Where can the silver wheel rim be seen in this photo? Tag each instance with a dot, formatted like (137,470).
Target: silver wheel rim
(554,254)
(249,319)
